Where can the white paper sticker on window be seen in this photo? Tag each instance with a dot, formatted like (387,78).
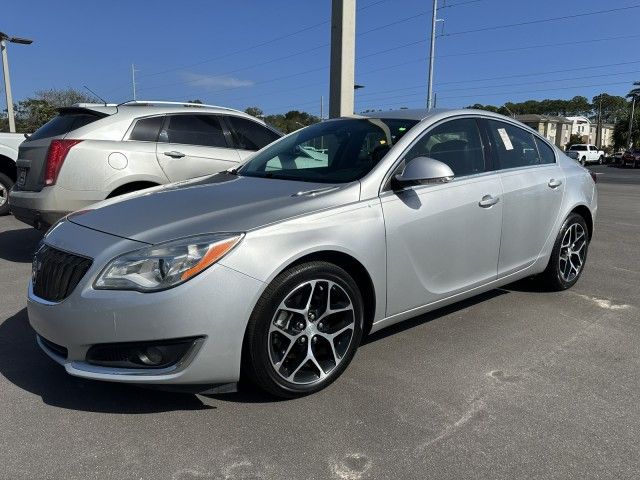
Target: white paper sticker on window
(505,139)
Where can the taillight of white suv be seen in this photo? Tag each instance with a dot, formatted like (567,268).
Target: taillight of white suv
(56,154)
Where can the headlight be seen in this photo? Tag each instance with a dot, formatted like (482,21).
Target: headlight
(165,265)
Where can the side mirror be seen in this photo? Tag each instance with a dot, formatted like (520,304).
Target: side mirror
(424,170)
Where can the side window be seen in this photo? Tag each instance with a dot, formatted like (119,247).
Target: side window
(545,151)
(250,135)
(147,129)
(456,143)
(204,130)
(514,146)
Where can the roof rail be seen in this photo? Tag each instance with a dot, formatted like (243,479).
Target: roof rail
(183,104)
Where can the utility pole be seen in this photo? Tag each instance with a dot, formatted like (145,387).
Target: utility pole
(431,54)
(599,124)
(633,107)
(4,38)
(321,107)
(133,80)
(342,74)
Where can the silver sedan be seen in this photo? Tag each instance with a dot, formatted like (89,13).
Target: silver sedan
(276,270)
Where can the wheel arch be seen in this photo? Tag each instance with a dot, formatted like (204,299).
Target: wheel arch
(585,213)
(132,187)
(353,267)
(8,167)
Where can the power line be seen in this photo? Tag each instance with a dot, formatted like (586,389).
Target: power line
(534,22)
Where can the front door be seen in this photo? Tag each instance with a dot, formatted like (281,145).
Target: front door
(193,145)
(443,239)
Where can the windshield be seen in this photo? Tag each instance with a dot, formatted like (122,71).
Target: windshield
(337,151)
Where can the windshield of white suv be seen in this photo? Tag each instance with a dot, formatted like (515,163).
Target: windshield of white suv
(336,151)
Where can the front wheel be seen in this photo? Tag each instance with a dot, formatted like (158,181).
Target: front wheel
(5,185)
(569,254)
(601,160)
(304,330)
(583,161)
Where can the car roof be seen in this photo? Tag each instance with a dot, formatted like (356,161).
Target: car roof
(144,108)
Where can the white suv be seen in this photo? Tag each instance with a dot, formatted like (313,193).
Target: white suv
(90,152)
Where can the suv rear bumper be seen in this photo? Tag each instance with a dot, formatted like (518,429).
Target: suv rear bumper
(44,208)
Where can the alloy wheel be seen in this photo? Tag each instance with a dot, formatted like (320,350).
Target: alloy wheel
(573,250)
(311,331)
(4,195)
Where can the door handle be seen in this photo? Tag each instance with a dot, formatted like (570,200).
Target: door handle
(174,154)
(488,201)
(553,183)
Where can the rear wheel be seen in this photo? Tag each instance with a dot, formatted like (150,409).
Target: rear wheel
(601,160)
(5,185)
(569,254)
(583,161)
(304,330)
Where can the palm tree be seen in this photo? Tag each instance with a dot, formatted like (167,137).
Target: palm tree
(634,94)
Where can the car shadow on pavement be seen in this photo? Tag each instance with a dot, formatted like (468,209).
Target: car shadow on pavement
(19,245)
(26,366)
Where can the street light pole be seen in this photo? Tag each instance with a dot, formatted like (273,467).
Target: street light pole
(431,54)
(4,38)
(7,86)
(633,107)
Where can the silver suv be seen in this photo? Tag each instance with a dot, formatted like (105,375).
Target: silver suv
(90,152)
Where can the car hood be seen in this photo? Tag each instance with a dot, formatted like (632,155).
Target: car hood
(219,203)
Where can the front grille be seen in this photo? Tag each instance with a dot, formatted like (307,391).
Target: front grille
(55,273)
(54,347)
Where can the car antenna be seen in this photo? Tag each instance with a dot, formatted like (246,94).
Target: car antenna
(96,95)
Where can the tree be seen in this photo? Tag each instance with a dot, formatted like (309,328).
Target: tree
(33,112)
(197,100)
(254,112)
(574,139)
(291,121)
(611,107)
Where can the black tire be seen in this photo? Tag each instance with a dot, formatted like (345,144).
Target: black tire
(583,161)
(5,185)
(601,160)
(552,278)
(257,365)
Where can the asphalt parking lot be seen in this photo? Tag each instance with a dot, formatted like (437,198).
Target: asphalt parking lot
(516,383)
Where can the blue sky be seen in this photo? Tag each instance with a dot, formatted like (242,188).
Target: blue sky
(209,50)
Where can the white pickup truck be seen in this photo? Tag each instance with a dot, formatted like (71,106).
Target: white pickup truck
(585,153)
(9,143)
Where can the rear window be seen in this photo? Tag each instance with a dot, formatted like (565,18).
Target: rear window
(63,124)
(250,135)
(147,129)
(578,147)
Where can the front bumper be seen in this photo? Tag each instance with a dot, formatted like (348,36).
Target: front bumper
(214,306)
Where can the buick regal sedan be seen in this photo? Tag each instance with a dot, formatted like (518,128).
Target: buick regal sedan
(275,271)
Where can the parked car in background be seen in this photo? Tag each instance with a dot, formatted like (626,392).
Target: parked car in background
(9,143)
(631,158)
(90,152)
(279,268)
(586,153)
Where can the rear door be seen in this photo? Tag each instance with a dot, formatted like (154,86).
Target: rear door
(533,187)
(193,145)
(249,136)
(32,153)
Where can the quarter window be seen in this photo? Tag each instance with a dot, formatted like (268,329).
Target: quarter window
(147,129)
(250,135)
(545,152)
(514,146)
(205,130)
(456,143)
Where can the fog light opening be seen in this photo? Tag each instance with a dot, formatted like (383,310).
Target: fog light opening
(151,356)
